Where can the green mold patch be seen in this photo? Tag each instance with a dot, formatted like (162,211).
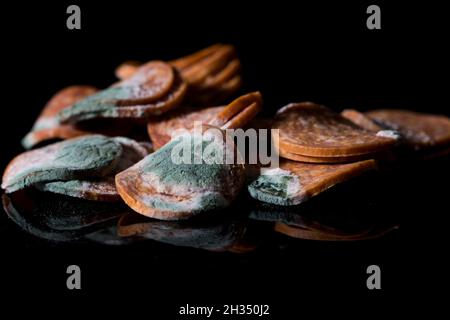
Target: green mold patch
(295,182)
(88,156)
(276,186)
(102,104)
(100,189)
(167,187)
(155,88)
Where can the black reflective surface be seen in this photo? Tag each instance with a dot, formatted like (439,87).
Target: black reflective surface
(367,207)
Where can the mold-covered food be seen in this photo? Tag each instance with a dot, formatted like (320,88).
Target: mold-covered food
(213,74)
(312,130)
(100,189)
(87,156)
(235,115)
(419,130)
(295,182)
(187,176)
(47,126)
(155,88)
(81,167)
(104,188)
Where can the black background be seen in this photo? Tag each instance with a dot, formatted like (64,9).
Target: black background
(316,51)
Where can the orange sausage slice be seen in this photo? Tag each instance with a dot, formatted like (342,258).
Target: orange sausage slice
(236,115)
(419,130)
(312,130)
(295,182)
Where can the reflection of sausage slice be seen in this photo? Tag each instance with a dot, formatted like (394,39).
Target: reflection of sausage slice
(216,236)
(295,182)
(419,130)
(56,217)
(321,235)
(316,131)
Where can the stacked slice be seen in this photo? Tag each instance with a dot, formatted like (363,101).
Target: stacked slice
(320,149)
(213,74)
(48,128)
(313,133)
(156,87)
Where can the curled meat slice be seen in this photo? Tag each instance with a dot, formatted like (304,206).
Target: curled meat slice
(235,115)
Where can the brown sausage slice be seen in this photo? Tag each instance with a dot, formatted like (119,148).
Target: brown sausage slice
(316,131)
(159,188)
(161,129)
(157,89)
(212,73)
(361,120)
(419,130)
(127,69)
(239,111)
(307,159)
(100,189)
(93,156)
(151,82)
(47,126)
(295,182)
(61,100)
(196,57)
(198,73)
(236,115)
